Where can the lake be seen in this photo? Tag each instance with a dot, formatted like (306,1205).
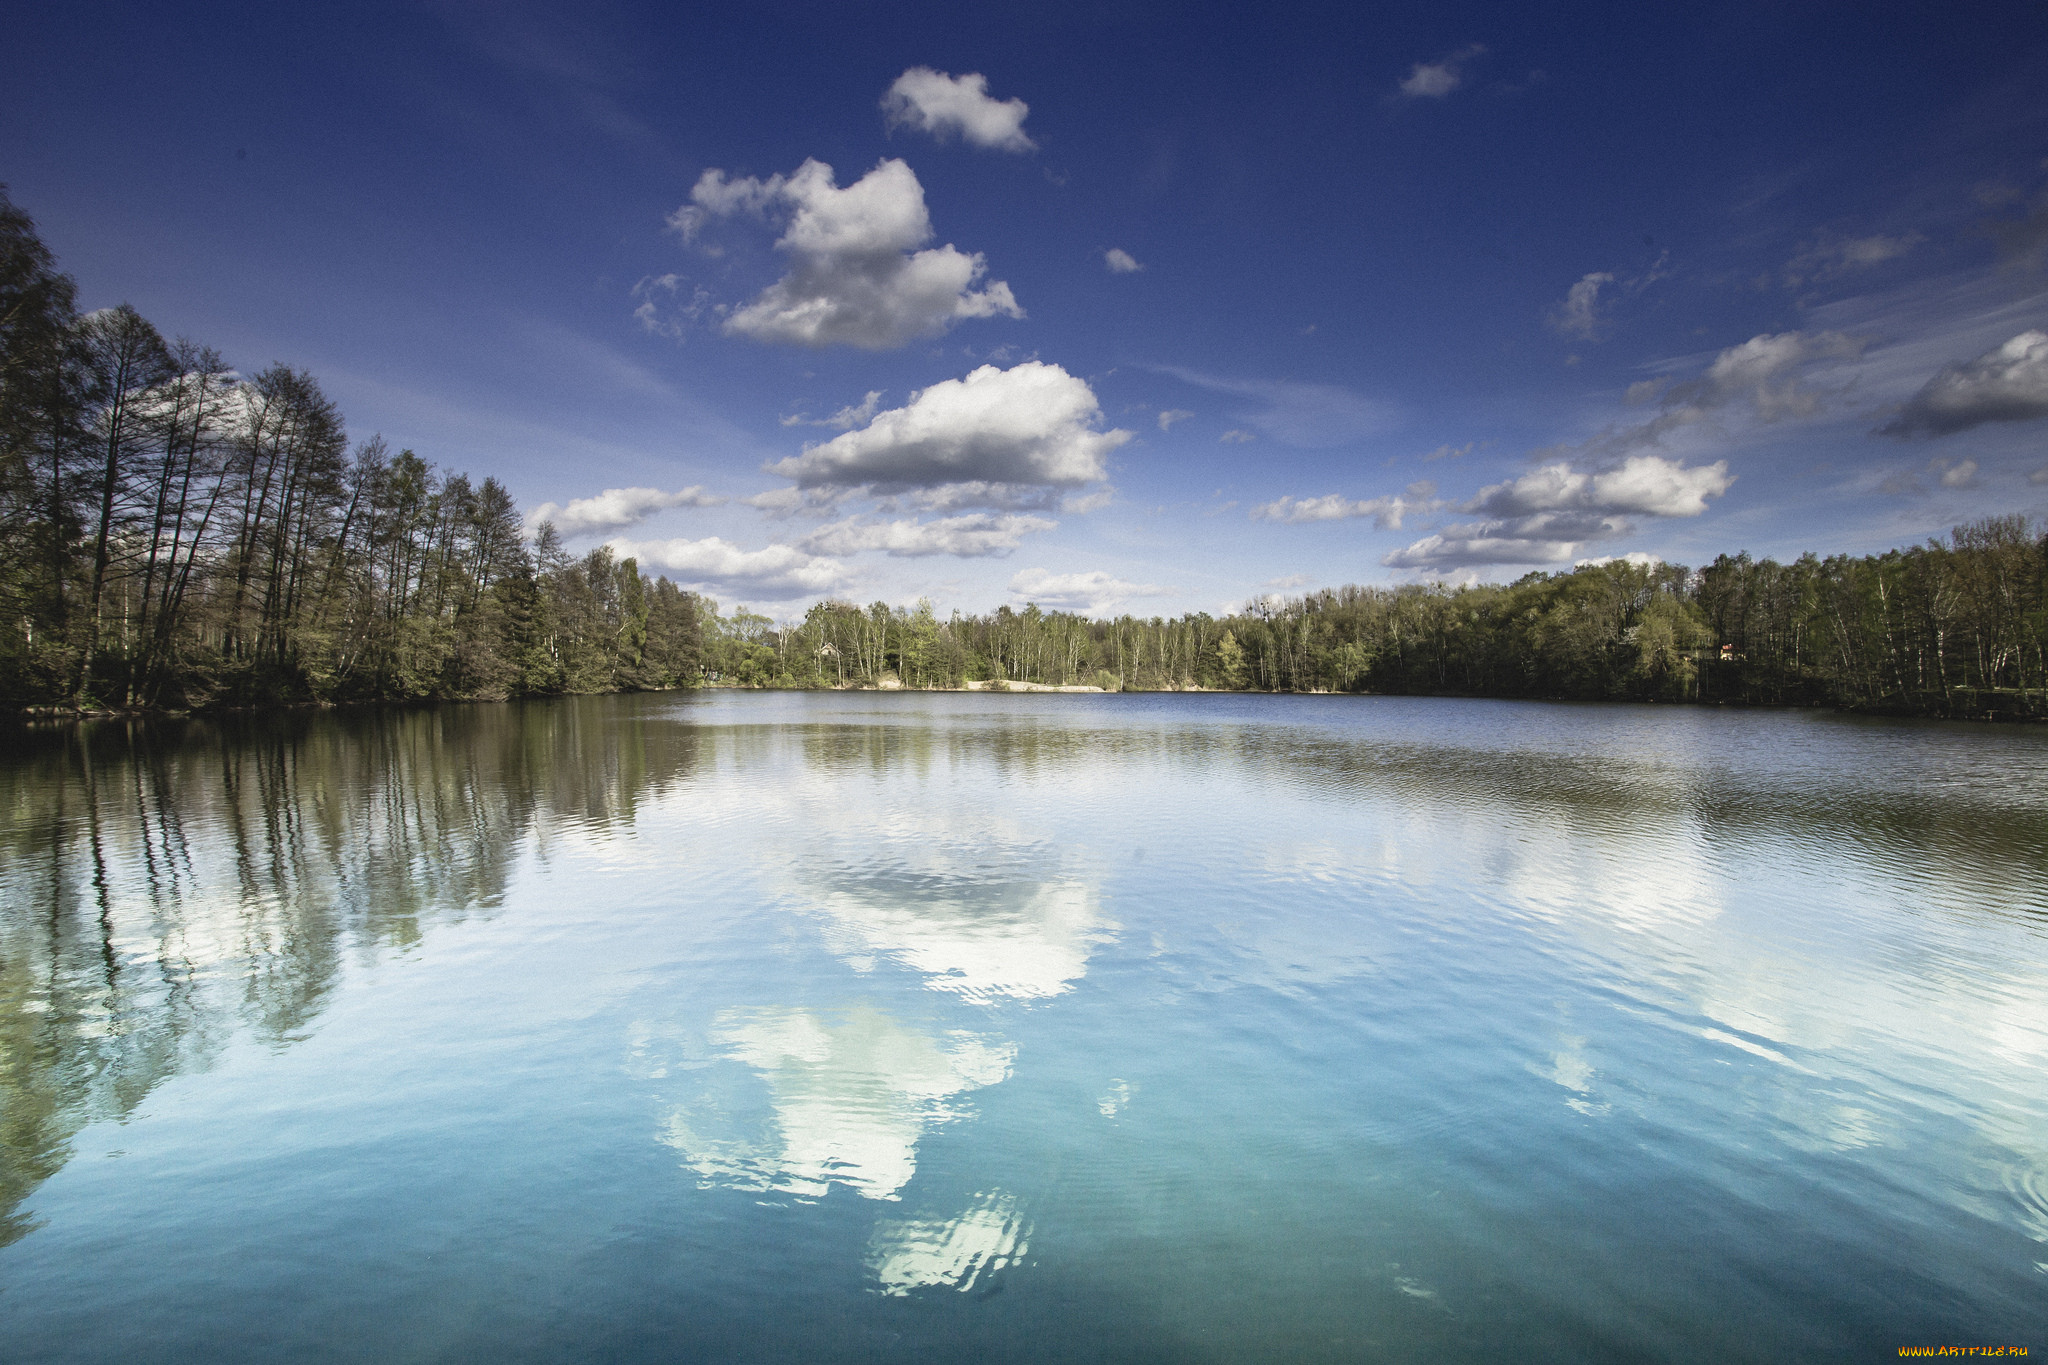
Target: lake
(895,1026)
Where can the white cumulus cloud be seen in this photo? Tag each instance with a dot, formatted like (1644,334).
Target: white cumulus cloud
(781,503)
(1549,515)
(857,277)
(1033,426)
(1460,547)
(616,508)
(1121,262)
(2008,383)
(947,106)
(1642,559)
(1094,593)
(1646,484)
(974,536)
(1171,415)
(717,565)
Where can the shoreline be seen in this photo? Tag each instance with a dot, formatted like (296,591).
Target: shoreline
(39,716)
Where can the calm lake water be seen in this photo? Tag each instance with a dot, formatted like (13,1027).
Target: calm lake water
(879,1027)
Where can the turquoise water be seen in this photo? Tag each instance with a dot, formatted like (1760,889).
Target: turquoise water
(875,1027)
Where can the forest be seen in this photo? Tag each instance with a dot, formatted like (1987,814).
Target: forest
(176,534)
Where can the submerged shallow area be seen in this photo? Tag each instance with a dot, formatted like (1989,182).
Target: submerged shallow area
(866,1026)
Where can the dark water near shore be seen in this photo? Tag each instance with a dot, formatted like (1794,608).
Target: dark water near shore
(851,1027)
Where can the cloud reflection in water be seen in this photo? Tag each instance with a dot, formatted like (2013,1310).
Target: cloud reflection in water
(950,1253)
(849,1101)
(985,943)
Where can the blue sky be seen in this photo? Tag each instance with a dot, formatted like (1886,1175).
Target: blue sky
(1111,307)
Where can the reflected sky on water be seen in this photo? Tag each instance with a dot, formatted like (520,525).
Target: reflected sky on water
(854,1026)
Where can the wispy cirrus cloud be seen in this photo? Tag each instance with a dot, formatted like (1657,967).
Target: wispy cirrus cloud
(1434,80)
(1094,592)
(1579,314)
(848,417)
(1832,256)
(2023,241)
(1765,379)
(1294,413)
(661,311)
(1954,475)
(1386,512)
(1584,315)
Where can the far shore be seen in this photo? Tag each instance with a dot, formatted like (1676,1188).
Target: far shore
(61,715)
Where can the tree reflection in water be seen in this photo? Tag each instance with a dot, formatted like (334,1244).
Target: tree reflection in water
(165,885)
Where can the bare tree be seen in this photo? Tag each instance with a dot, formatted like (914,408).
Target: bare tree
(127,365)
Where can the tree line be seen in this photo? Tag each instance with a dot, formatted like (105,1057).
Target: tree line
(1957,627)
(175,534)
